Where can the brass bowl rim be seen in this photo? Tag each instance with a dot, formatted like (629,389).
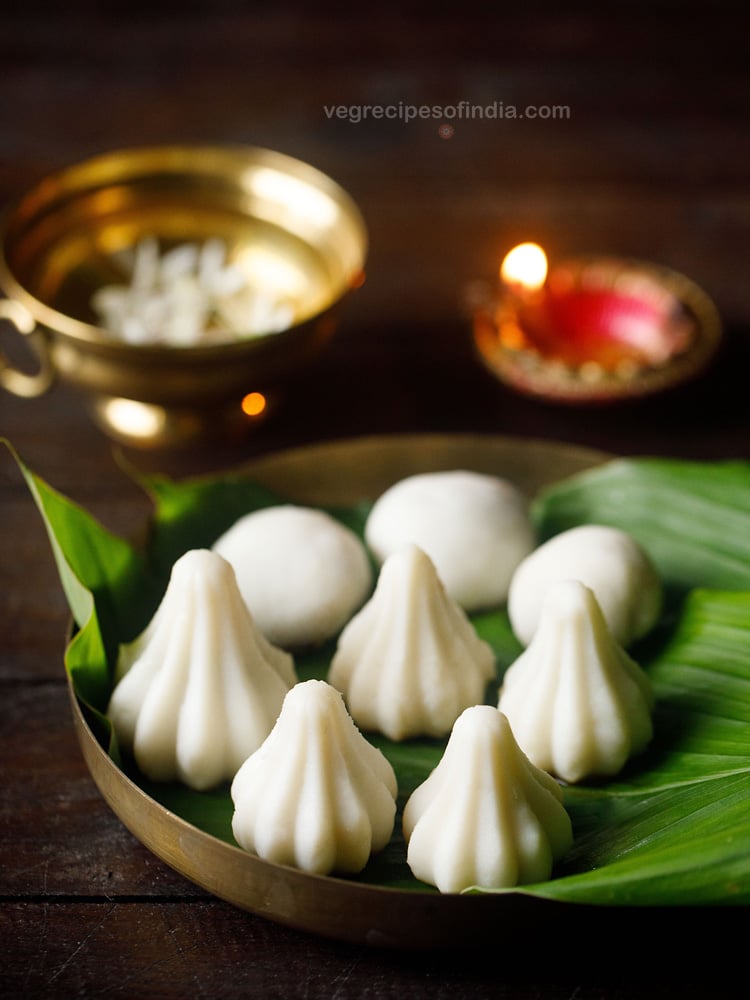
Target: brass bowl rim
(61,324)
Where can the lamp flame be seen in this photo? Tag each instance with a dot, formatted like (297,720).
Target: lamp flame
(524,267)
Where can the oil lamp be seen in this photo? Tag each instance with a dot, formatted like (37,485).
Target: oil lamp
(593,329)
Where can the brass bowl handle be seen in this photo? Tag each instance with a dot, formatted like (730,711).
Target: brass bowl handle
(18,382)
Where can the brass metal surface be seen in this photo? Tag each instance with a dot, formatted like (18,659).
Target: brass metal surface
(57,246)
(342,473)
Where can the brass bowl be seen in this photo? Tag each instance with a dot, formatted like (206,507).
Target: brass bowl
(58,242)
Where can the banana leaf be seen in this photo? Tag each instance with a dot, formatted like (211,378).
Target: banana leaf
(691,517)
(673,828)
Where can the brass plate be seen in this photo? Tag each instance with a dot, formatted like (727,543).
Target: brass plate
(344,472)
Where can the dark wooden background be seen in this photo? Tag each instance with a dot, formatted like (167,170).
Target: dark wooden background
(653,162)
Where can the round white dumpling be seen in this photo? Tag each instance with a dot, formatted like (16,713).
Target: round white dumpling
(608,561)
(301,572)
(475,528)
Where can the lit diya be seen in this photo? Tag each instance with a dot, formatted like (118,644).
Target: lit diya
(593,329)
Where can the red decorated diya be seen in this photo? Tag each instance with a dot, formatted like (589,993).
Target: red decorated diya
(593,329)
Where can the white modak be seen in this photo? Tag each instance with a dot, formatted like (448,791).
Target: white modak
(316,795)
(475,527)
(301,572)
(609,561)
(578,704)
(201,687)
(410,661)
(486,816)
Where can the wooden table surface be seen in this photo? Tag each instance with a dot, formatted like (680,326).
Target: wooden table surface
(652,162)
